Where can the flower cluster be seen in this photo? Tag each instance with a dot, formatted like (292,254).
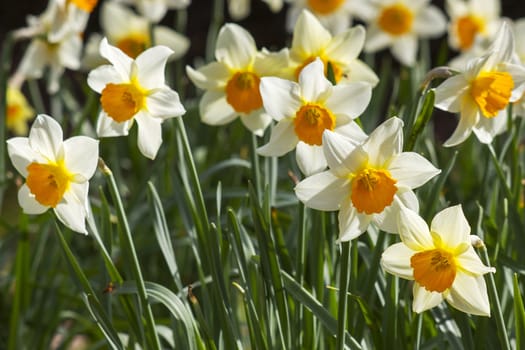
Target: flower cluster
(311,98)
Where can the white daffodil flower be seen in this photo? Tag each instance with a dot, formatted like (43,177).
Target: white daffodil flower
(472,21)
(399,24)
(240,9)
(482,92)
(132,34)
(441,261)
(304,110)
(311,40)
(57,171)
(232,82)
(367,183)
(134,90)
(519,40)
(18,111)
(56,42)
(155,10)
(334,15)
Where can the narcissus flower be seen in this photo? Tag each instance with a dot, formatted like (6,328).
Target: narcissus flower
(311,40)
(304,110)
(399,24)
(232,82)
(155,10)
(18,111)
(134,90)
(132,34)
(367,183)
(483,91)
(440,260)
(335,15)
(472,21)
(57,171)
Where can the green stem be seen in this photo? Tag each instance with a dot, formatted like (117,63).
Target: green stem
(22,261)
(128,246)
(343,287)
(493,293)
(256,171)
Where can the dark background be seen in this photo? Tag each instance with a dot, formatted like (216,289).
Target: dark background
(266,27)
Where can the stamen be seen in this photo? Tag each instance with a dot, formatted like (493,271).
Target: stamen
(311,121)
(372,190)
(242,92)
(434,269)
(396,19)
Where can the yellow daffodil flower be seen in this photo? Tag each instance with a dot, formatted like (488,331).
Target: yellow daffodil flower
(18,111)
(482,92)
(367,183)
(134,90)
(440,260)
(57,171)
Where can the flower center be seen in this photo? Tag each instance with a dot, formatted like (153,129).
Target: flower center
(492,91)
(134,44)
(338,72)
(434,269)
(122,101)
(242,92)
(48,182)
(310,122)
(86,5)
(324,7)
(466,29)
(396,19)
(372,190)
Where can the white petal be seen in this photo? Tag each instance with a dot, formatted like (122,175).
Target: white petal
(414,230)
(282,139)
(430,22)
(376,39)
(120,61)
(396,260)
(360,71)
(411,170)
(346,46)
(487,128)
(469,294)
(153,10)
(322,191)
(69,52)
(72,212)
(349,99)
(170,38)
(451,226)
(385,142)
(470,262)
(212,76)
(387,220)
(468,118)
(351,223)
(20,153)
(257,121)
(81,156)
(405,49)
(215,110)
(280,97)
(310,158)
(342,155)
(309,36)
(449,94)
(99,77)
(29,203)
(164,103)
(312,81)
(107,127)
(151,65)
(352,131)
(423,299)
(45,137)
(235,46)
(149,134)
